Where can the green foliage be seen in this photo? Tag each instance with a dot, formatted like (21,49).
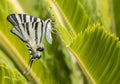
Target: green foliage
(83,51)
(98,53)
(9,74)
(96,50)
(115,18)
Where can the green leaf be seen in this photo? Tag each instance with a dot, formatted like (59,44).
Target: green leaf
(104,11)
(70,13)
(72,21)
(98,54)
(9,74)
(116,17)
(96,49)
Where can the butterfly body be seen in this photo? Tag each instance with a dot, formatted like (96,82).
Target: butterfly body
(32,31)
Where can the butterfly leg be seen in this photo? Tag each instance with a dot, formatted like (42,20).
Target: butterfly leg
(29,65)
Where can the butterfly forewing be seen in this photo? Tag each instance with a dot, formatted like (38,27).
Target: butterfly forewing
(16,19)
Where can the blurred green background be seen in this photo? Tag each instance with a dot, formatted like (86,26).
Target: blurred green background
(85,48)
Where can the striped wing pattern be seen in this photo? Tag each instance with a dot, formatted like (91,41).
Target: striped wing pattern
(16,19)
(30,32)
(28,28)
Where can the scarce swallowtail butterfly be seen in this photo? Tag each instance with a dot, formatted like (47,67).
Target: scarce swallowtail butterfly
(32,31)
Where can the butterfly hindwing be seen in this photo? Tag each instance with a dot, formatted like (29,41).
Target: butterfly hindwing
(20,31)
(48,31)
(18,34)
(16,19)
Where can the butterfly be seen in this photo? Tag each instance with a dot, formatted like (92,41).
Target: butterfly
(31,30)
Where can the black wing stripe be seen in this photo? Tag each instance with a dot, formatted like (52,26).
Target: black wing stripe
(35,19)
(23,26)
(20,17)
(11,19)
(20,26)
(17,29)
(30,18)
(24,18)
(27,28)
(16,19)
(32,24)
(36,35)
